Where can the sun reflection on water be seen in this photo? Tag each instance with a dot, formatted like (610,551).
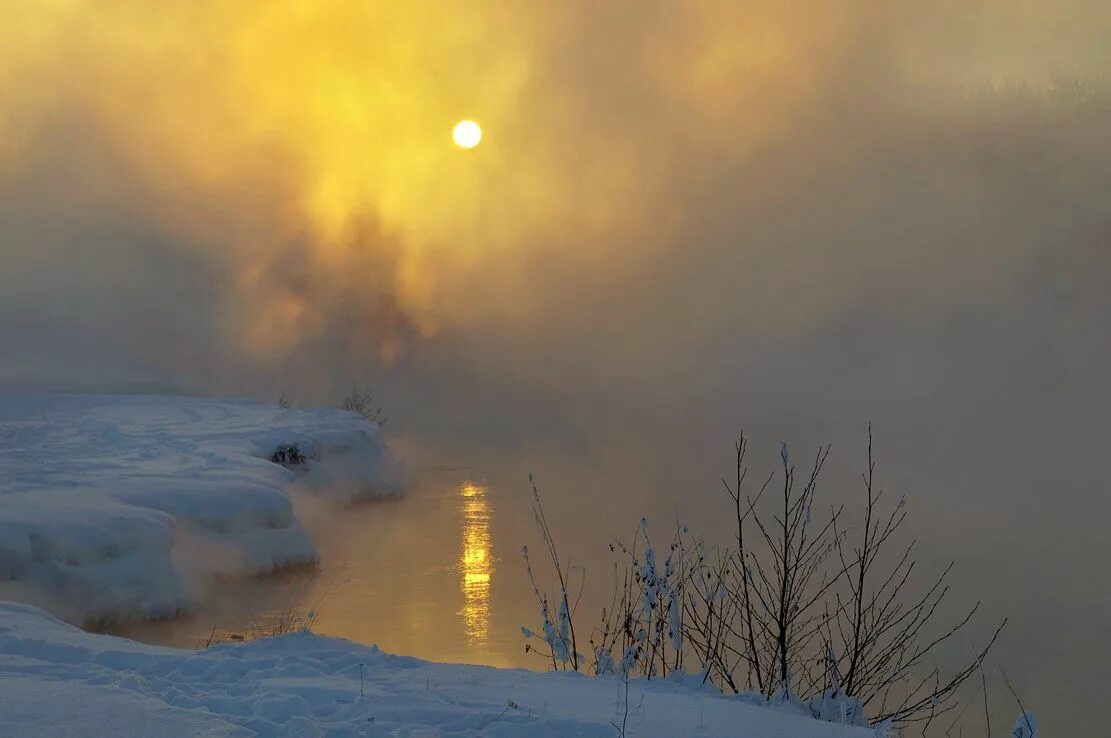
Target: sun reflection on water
(476,563)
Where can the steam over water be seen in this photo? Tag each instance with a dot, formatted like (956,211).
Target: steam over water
(686,218)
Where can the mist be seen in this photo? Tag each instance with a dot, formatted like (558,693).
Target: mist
(686,219)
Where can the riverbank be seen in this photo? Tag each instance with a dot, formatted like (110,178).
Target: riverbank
(126,507)
(56,680)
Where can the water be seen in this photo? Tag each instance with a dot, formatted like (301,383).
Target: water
(438,574)
(425,576)
(435,574)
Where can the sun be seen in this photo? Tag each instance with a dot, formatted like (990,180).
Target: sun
(466,134)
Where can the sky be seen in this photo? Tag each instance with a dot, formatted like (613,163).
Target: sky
(685,218)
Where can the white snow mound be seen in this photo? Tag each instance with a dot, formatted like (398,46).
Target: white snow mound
(56,680)
(123,506)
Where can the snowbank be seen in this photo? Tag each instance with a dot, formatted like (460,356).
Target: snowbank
(56,680)
(123,506)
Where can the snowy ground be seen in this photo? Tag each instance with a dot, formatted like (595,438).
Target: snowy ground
(56,680)
(126,506)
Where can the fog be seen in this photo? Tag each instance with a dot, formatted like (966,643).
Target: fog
(685,219)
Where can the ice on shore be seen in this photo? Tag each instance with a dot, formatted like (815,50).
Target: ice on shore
(123,506)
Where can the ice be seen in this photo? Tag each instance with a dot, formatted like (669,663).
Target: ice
(124,506)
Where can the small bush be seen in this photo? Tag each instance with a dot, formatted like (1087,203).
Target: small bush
(296,613)
(795,608)
(362,402)
(289,455)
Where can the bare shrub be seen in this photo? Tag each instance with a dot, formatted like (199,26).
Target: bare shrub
(809,613)
(558,626)
(363,402)
(297,612)
(756,612)
(877,634)
(793,608)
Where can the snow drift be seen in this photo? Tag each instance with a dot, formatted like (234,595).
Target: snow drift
(124,506)
(56,680)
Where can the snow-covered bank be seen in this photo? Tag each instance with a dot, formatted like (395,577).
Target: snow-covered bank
(123,506)
(56,680)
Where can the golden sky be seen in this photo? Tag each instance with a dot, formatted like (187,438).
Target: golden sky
(685,217)
(305,145)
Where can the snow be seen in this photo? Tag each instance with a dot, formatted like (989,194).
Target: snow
(125,506)
(56,680)
(1025,726)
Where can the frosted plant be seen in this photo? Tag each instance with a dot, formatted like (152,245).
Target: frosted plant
(629,659)
(651,582)
(645,618)
(603,660)
(838,708)
(556,639)
(1026,726)
(675,620)
(562,648)
(559,632)
(883,729)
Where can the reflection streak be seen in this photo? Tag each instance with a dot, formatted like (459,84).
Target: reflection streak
(476,563)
